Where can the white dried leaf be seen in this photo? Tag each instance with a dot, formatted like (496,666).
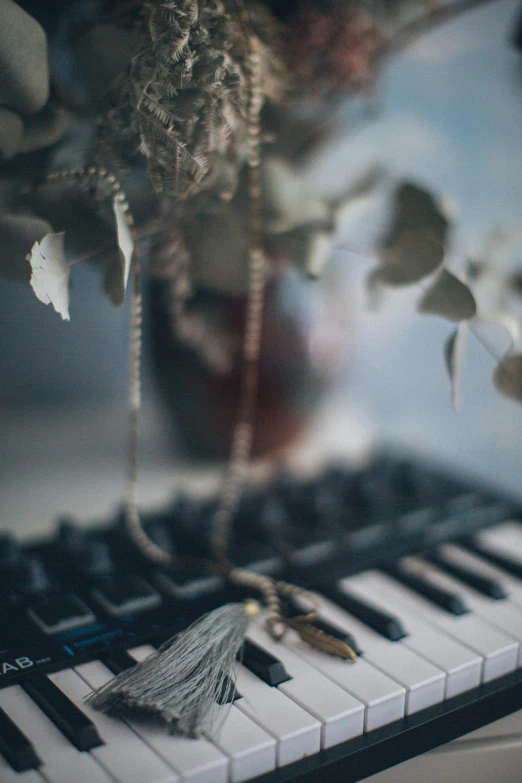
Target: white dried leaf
(50,272)
(448,297)
(320,251)
(453,356)
(508,376)
(127,250)
(499,333)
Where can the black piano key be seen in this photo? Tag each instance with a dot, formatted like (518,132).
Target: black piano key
(229,692)
(15,747)
(294,609)
(117,661)
(263,664)
(385,624)
(509,564)
(65,715)
(449,601)
(482,584)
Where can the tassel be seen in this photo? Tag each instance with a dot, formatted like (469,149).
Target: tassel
(184,681)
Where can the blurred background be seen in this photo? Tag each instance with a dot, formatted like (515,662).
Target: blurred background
(446,114)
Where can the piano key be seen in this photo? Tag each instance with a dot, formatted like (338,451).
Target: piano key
(501,545)
(466,574)
(424,682)
(8,774)
(60,759)
(382,622)
(15,747)
(502,614)
(124,756)
(448,600)
(337,633)
(498,650)
(261,663)
(341,715)
(298,733)
(117,661)
(196,760)
(461,664)
(251,750)
(65,715)
(229,692)
(509,584)
(383,699)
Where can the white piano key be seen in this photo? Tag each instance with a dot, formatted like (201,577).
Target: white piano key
(8,775)
(499,652)
(251,750)
(503,613)
(61,762)
(124,756)
(197,761)
(384,700)
(424,682)
(460,556)
(341,715)
(298,733)
(461,665)
(506,539)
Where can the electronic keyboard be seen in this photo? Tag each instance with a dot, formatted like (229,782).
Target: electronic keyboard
(419,572)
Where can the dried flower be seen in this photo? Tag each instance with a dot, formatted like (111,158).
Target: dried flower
(183,103)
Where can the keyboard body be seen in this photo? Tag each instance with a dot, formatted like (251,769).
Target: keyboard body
(397,539)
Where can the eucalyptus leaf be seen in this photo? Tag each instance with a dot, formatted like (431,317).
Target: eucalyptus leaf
(448,297)
(453,357)
(415,242)
(508,376)
(51,272)
(413,255)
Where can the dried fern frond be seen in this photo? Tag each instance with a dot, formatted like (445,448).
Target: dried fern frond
(183,103)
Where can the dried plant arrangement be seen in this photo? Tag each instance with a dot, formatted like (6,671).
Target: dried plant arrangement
(200,92)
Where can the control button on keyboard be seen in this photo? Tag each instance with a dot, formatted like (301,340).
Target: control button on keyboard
(71,721)
(127,594)
(261,663)
(15,747)
(384,623)
(461,665)
(196,760)
(184,583)
(61,761)
(124,756)
(498,650)
(416,581)
(60,613)
(489,587)
(341,715)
